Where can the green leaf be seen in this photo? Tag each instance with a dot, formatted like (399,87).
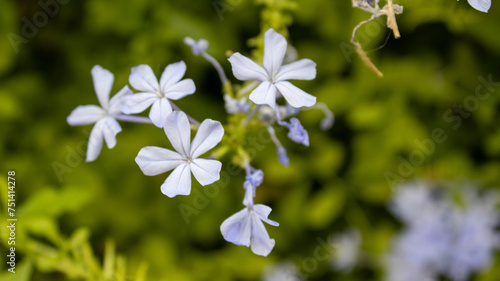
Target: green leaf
(52,202)
(325,206)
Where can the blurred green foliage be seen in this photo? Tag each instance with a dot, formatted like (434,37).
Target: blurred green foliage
(68,209)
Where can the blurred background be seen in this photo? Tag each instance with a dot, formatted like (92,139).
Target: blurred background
(433,117)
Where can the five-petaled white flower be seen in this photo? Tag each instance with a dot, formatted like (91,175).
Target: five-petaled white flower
(246,227)
(156,160)
(273,75)
(106,127)
(157,94)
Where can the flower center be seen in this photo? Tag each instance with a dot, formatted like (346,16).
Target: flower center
(188,159)
(272,79)
(160,94)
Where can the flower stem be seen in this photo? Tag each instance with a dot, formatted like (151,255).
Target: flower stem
(252,114)
(191,119)
(329,119)
(134,119)
(358,26)
(218,67)
(249,87)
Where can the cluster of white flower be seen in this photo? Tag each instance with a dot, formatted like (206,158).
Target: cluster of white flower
(245,227)
(442,237)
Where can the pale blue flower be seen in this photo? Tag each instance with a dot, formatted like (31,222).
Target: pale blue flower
(288,111)
(246,228)
(475,237)
(106,127)
(255,177)
(157,95)
(234,106)
(156,160)
(273,75)
(442,237)
(413,202)
(198,47)
(283,157)
(297,133)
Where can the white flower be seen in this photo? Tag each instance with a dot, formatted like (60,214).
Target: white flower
(284,271)
(106,127)
(245,228)
(171,87)
(346,250)
(480,5)
(273,75)
(156,160)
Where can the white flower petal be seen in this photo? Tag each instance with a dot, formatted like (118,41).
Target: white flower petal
(137,103)
(95,141)
(237,228)
(159,112)
(103,81)
(85,114)
(178,131)
(206,171)
(142,78)
(304,69)
(480,5)
(209,134)
(246,69)
(116,102)
(156,160)
(274,51)
(265,93)
(261,243)
(178,182)
(180,89)
(171,75)
(295,96)
(263,212)
(110,129)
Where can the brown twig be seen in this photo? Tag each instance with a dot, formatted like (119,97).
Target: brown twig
(391,20)
(367,61)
